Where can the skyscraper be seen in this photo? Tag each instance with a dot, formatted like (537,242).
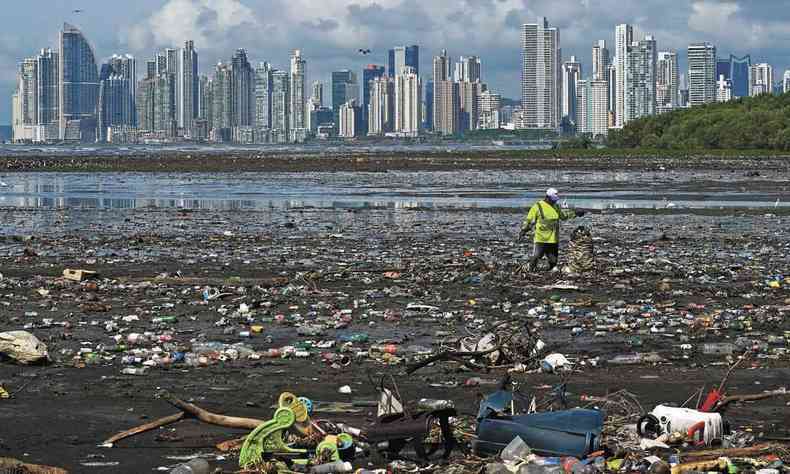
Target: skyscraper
(381,105)
(280,106)
(612,93)
(344,89)
(48,90)
(739,75)
(540,76)
(171,60)
(150,69)
(667,81)
(78,80)
(370,73)
(786,82)
(318,93)
(187,87)
(446,106)
(348,119)
(469,104)
(467,69)
(490,104)
(592,116)
(723,89)
(297,91)
(624,37)
(117,95)
(571,72)
(762,79)
(408,103)
(600,61)
(401,56)
(146,92)
(164,104)
(205,102)
(702,73)
(243,90)
(263,96)
(25,105)
(640,97)
(223,97)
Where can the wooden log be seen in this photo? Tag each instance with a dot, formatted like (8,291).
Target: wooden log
(15,465)
(145,427)
(213,418)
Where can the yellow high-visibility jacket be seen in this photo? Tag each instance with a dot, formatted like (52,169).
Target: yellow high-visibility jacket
(546,219)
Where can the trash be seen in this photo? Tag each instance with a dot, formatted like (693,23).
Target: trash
(554,363)
(22,347)
(581,251)
(4,393)
(669,420)
(14,466)
(79,275)
(575,432)
(345,389)
(194,466)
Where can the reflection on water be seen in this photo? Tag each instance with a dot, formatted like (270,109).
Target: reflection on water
(393,190)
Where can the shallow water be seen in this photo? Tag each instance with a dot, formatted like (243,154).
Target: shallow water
(391,190)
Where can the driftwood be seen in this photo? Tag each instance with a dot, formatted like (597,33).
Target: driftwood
(14,465)
(213,418)
(750,398)
(190,410)
(710,454)
(458,356)
(146,427)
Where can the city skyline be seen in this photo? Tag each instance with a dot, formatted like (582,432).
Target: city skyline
(330,39)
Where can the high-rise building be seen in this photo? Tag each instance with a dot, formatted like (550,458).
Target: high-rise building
(408,103)
(723,89)
(624,37)
(600,61)
(243,90)
(469,104)
(117,95)
(612,94)
(667,81)
(280,105)
(150,69)
(165,104)
(446,106)
(205,102)
(761,79)
(786,82)
(467,69)
(78,79)
(540,76)
(489,105)
(348,120)
(48,90)
(592,115)
(427,122)
(739,75)
(370,73)
(297,90)
(344,89)
(263,96)
(640,98)
(401,56)
(318,93)
(187,87)
(571,72)
(146,92)
(381,103)
(702,73)
(171,60)
(25,106)
(222,93)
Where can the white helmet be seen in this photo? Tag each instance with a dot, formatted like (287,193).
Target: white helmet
(553,195)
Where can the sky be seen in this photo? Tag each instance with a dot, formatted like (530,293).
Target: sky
(330,32)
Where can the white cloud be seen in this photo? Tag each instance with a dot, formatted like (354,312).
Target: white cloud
(713,17)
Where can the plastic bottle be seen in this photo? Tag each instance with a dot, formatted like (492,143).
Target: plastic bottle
(331,467)
(134,371)
(194,466)
(383,349)
(718,348)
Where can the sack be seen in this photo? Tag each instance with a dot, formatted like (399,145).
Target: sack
(22,347)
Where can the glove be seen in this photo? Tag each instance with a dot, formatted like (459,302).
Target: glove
(580,213)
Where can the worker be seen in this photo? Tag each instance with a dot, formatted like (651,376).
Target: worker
(545,216)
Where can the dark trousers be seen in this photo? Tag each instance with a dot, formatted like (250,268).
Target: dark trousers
(551,251)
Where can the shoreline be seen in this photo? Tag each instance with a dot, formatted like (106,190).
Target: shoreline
(333,160)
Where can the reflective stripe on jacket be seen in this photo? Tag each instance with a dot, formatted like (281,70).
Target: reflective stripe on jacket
(546,218)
